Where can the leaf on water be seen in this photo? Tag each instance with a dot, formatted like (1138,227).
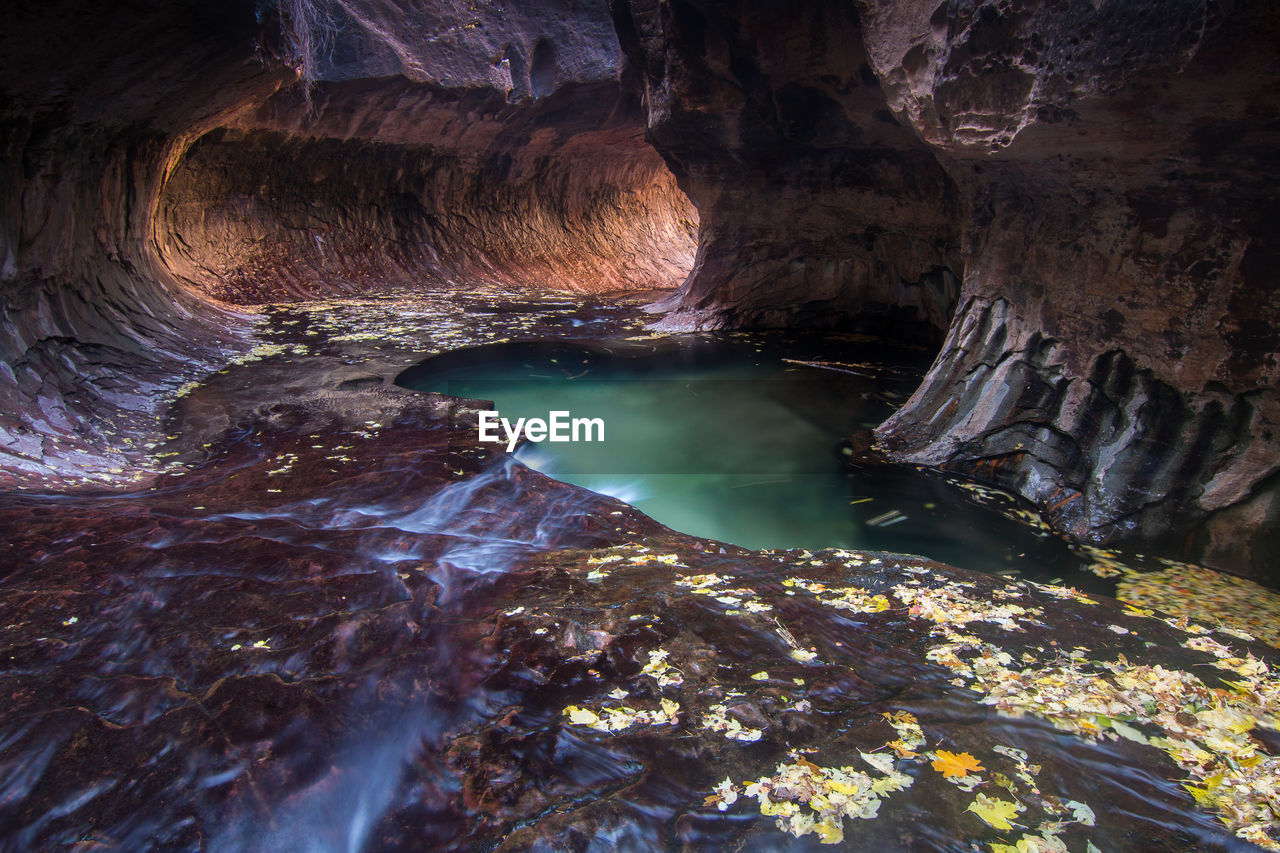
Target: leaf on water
(994,811)
(829,831)
(1017,755)
(883,763)
(952,764)
(1128,732)
(1081,812)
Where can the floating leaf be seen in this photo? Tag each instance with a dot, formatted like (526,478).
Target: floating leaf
(829,831)
(883,763)
(953,764)
(581,716)
(1081,812)
(994,811)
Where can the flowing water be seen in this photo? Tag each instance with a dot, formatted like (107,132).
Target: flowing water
(336,633)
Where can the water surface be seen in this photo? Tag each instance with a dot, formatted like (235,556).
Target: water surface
(738,438)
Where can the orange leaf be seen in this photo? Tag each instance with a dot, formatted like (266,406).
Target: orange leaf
(952,764)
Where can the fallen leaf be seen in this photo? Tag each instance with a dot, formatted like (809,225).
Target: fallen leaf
(1081,812)
(994,812)
(951,764)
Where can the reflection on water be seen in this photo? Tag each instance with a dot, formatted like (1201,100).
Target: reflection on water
(736,438)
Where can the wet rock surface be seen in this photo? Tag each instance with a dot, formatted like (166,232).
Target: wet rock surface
(339,621)
(238,660)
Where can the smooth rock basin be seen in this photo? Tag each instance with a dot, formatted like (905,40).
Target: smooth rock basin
(735,437)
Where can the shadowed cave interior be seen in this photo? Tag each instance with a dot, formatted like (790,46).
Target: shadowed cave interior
(998,274)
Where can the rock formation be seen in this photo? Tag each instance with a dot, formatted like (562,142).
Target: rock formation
(165,161)
(816,206)
(1118,167)
(1101,179)
(305,607)
(1080,200)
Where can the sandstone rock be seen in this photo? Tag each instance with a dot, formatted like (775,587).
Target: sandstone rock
(1098,176)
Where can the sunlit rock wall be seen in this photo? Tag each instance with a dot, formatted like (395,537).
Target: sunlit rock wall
(165,159)
(347,197)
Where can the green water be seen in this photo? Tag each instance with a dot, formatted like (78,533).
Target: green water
(728,438)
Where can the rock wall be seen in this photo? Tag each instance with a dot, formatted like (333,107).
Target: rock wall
(379,184)
(1101,178)
(816,207)
(96,103)
(162,160)
(1118,167)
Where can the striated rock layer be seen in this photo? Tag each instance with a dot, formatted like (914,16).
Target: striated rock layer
(162,161)
(1101,179)
(561,195)
(1118,167)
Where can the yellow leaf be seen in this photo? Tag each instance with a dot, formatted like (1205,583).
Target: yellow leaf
(829,831)
(951,764)
(901,748)
(994,811)
(1205,792)
(581,716)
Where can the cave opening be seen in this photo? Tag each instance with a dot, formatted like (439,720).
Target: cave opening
(565,197)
